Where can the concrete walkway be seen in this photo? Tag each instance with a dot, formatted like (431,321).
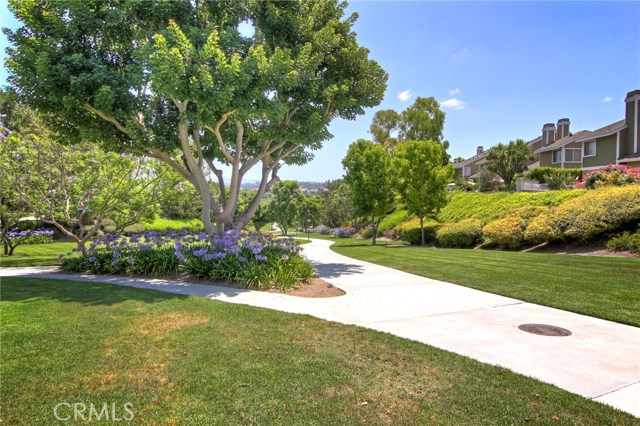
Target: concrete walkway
(600,360)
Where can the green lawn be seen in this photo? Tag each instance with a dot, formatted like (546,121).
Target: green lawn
(37,254)
(602,287)
(186,360)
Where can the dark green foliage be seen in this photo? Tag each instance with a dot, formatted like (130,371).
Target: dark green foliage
(541,174)
(625,242)
(507,160)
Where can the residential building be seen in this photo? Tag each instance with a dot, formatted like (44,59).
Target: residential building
(468,168)
(615,143)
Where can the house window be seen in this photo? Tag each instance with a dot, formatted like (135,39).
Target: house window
(590,149)
(557,156)
(572,155)
(466,171)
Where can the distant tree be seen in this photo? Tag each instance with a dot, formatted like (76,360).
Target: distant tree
(508,160)
(286,203)
(263,215)
(310,209)
(171,79)
(385,123)
(487,180)
(422,121)
(421,178)
(337,208)
(368,172)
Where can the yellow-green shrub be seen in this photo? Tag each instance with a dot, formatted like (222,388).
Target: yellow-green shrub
(508,231)
(410,231)
(489,207)
(598,211)
(465,233)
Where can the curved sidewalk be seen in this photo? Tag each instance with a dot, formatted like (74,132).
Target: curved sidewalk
(600,360)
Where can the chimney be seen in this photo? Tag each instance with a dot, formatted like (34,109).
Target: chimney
(548,134)
(632,118)
(479,150)
(563,128)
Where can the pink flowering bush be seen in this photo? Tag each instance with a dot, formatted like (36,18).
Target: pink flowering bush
(611,175)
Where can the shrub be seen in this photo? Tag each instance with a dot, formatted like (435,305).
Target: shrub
(508,231)
(544,174)
(391,234)
(465,233)
(584,218)
(253,260)
(611,175)
(489,207)
(17,236)
(346,232)
(410,231)
(625,242)
(136,228)
(322,229)
(393,220)
(169,225)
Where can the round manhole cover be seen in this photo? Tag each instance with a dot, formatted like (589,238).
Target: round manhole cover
(545,330)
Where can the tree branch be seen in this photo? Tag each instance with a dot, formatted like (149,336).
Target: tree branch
(106,117)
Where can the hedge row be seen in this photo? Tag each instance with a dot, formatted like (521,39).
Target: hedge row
(489,207)
(581,217)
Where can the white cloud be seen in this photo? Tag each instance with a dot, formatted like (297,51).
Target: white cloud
(607,99)
(454,92)
(403,96)
(461,54)
(454,103)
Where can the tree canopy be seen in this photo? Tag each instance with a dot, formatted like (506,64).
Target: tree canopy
(508,160)
(421,178)
(368,167)
(229,85)
(422,121)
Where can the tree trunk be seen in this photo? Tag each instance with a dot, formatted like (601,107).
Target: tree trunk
(11,249)
(422,241)
(373,230)
(6,247)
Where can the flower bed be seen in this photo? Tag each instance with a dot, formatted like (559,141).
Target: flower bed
(611,175)
(253,260)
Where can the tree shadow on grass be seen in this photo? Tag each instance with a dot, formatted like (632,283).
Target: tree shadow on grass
(92,292)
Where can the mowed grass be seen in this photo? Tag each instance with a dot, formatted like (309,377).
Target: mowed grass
(602,287)
(37,254)
(186,360)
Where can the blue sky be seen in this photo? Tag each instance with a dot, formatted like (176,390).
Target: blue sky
(499,69)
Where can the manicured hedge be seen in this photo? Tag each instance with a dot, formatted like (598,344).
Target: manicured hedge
(581,219)
(164,225)
(465,233)
(489,207)
(508,231)
(410,231)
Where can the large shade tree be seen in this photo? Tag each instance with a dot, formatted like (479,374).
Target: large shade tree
(229,85)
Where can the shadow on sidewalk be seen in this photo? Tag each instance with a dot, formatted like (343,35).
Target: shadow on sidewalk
(335,270)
